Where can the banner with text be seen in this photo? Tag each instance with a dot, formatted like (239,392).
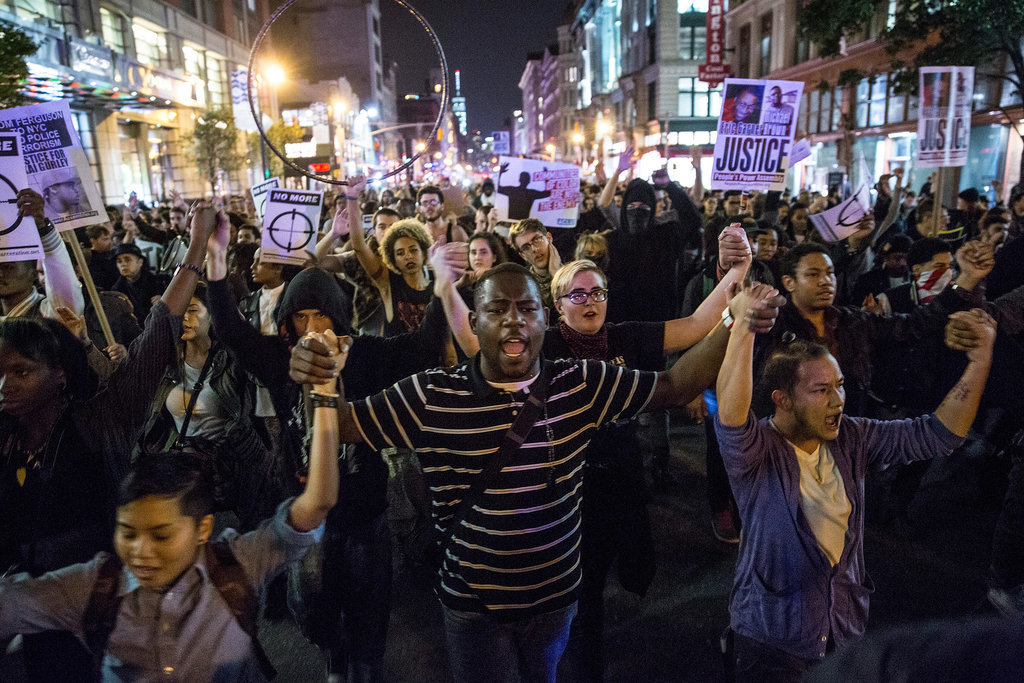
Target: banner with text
(714,70)
(944,115)
(290,226)
(19,239)
(547,191)
(755,134)
(55,163)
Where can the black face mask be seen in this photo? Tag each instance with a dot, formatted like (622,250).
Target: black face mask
(637,218)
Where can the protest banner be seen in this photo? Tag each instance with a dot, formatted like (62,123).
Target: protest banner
(843,219)
(55,164)
(290,225)
(19,239)
(259,193)
(755,134)
(944,116)
(547,191)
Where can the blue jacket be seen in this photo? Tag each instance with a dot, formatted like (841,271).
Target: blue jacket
(785,592)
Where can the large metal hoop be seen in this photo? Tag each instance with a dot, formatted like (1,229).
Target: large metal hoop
(251,88)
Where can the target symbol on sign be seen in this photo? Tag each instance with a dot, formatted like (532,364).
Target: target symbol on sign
(9,197)
(291,230)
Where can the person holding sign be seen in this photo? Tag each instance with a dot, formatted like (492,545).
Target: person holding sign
(18,295)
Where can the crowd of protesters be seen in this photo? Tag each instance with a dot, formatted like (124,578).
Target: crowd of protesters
(485,403)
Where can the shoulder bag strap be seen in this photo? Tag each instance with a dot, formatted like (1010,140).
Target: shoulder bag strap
(514,438)
(179,442)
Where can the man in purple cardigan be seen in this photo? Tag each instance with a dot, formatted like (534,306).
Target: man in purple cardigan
(801,587)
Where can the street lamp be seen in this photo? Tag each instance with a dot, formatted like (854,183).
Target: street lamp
(274,73)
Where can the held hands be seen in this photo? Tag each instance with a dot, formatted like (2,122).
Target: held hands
(733,247)
(975,260)
(755,307)
(316,360)
(973,332)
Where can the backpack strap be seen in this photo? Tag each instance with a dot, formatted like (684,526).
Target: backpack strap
(101,611)
(228,577)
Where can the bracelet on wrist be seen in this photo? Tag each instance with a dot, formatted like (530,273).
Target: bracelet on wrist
(352,199)
(188,266)
(324,400)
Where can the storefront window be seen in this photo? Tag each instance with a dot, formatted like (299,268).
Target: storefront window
(195,62)
(87,134)
(878,93)
(897,107)
(133,166)
(813,111)
(150,46)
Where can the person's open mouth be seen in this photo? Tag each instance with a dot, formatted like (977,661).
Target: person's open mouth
(514,347)
(832,421)
(145,573)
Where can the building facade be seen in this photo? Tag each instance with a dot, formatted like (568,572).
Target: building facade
(850,105)
(635,83)
(137,74)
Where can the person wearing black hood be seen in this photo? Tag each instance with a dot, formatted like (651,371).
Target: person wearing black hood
(349,616)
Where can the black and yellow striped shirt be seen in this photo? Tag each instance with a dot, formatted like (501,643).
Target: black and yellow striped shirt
(517,552)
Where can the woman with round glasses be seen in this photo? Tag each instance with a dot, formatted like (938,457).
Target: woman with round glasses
(615,522)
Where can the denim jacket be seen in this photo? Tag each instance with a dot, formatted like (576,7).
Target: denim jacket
(785,593)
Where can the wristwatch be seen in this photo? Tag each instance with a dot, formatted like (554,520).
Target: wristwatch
(727,318)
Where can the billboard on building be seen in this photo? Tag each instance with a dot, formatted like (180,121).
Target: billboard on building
(714,70)
(55,164)
(755,134)
(944,115)
(240,101)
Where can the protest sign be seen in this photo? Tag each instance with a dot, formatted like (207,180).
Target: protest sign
(547,191)
(259,193)
(755,134)
(290,225)
(801,150)
(501,142)
(944,116)
(55,163)
(19,239)
(843,219)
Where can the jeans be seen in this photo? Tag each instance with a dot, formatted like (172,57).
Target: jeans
(482,649)
(756,662)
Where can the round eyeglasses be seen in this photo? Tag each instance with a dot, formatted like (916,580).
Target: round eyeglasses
(580,297)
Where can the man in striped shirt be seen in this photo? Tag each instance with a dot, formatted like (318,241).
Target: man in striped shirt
(510,578)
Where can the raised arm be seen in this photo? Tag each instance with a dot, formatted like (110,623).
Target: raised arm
(736,378)
(973,332)
(697,368)
(448,261)
(320,494)
(325,256)
(370,261)
(734,259)
(183,284)
(62,287)
(608,192)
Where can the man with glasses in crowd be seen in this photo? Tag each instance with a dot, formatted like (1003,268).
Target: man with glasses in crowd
(530,238)
(430,203)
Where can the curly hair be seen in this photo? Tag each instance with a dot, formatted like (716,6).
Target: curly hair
(407,227)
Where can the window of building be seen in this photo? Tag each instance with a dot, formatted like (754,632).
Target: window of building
(38,11)
(150,45)
(652,101)
(113,30)
(376,52)
(697,99)
(801,50)
(804,105)
(692,36)
(376,26)
(765,46)
(813,111)
(216,81)
(744,51)
(194,61)
(897,106)
(693,6)
(87,134)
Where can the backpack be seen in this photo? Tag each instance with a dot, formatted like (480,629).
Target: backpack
(227,576)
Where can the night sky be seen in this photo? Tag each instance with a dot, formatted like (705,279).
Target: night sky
(486,39)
